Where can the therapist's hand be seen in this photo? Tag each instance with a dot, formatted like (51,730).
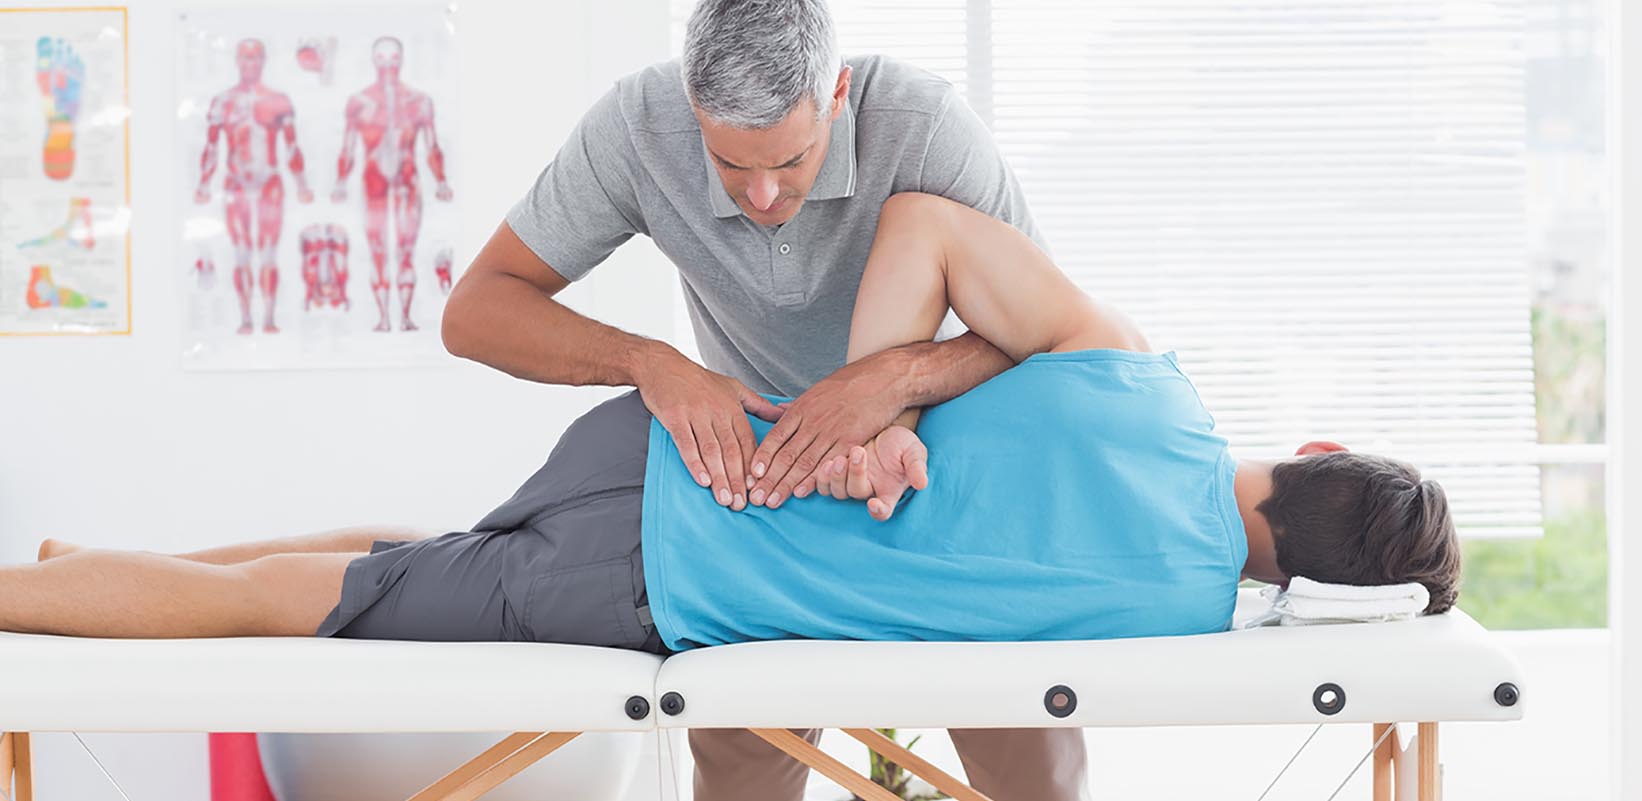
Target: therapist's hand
(878,473)
(703,411)
(843,410)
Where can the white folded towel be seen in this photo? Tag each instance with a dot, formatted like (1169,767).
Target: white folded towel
(1308,602)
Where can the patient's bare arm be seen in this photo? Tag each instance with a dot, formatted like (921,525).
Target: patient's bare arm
(931,254)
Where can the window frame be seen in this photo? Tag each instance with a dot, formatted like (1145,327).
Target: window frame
(1624,437)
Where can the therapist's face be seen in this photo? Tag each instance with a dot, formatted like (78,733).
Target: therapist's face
(769,171)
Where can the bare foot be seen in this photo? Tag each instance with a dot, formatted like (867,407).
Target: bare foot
(50,549)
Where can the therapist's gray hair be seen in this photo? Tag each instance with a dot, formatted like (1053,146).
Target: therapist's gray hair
(749,63)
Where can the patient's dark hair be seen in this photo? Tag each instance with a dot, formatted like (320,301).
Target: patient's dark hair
(1351,518)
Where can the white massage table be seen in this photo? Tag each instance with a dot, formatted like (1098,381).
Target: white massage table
(1430,670)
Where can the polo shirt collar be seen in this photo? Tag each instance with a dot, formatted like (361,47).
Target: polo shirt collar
(835,180)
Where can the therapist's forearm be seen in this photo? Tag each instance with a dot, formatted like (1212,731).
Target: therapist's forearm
(507,323)
(937,372)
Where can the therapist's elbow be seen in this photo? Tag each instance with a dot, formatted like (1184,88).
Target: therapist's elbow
(457,328)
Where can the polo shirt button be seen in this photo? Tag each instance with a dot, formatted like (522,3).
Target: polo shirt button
(785,248)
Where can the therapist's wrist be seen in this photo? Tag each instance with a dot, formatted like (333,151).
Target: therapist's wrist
(890,376)
(641,358)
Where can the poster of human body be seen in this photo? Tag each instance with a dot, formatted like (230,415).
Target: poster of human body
(64,186)
(317,209)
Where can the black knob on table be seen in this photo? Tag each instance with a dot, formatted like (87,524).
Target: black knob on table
(1328,698)
(1060,700)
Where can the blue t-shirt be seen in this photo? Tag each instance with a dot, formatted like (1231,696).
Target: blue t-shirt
(1078,495)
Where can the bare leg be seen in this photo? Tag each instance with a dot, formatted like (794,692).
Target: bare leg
(356,540)
(98,593)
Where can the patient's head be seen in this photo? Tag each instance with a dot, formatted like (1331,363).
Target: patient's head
(1352,518)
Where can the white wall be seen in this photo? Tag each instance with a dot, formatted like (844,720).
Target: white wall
(107,441)
(111,443)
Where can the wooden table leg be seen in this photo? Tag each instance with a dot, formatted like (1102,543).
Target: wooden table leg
(1430,768)
(497,764)
(509,767)
(800,749)
(465,772)
(917,765)
(23,765)
(5,765)
(1382,761)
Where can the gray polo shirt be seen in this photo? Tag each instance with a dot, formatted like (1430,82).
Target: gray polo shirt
(770,306)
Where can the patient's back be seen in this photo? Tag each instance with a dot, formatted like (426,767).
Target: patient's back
(1078,495)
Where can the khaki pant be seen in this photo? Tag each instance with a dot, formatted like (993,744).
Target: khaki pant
(1006,764)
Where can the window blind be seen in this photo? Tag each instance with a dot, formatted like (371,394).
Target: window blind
(1319,206)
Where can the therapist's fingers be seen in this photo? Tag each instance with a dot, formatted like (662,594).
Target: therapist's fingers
(685,440)
(735,464)
(807,462)
(772,446)
(712,454)
(749,443)
(756,405)
(804,487)
(795,461)
(819,481)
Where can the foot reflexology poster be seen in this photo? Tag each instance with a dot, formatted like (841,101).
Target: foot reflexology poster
(316,209)
(65,266)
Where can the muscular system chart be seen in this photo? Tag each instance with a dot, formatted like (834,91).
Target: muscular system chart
(318,223)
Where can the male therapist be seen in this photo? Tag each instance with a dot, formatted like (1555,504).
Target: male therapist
(757,163)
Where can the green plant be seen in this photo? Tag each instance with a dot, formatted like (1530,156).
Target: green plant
(1570,366)
(892,777)
(1559,580)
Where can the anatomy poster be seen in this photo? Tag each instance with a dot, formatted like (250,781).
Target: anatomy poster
(64,186)
(315,184)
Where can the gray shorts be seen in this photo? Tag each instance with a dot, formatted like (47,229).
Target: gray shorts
(558,562)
